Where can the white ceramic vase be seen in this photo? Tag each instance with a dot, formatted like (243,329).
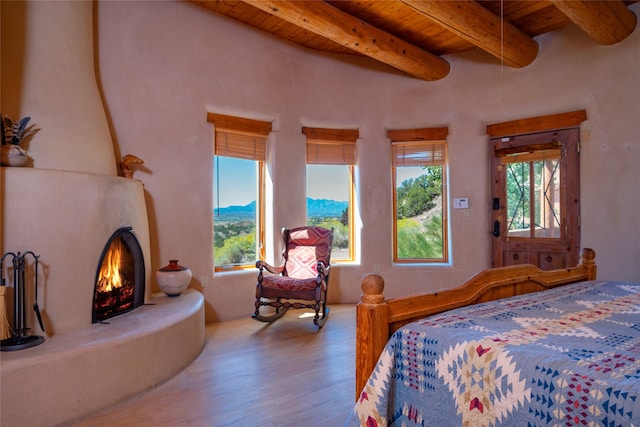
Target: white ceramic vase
(173,279)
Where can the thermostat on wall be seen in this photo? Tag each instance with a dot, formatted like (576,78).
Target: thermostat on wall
(461,203)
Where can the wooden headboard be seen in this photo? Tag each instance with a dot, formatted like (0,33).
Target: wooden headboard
(377,318)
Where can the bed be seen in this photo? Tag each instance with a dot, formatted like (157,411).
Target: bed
(511,346)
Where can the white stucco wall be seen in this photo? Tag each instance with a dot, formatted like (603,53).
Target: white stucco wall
(164,65)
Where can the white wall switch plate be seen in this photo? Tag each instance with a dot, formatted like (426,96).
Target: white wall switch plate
(461,203)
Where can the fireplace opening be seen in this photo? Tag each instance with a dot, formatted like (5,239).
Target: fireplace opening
(120,280)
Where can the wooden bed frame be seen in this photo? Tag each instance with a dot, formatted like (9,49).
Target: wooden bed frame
(377,319)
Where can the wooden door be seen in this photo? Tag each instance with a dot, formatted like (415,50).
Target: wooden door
(535,200)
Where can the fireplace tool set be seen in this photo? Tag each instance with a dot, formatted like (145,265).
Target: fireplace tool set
(19,338)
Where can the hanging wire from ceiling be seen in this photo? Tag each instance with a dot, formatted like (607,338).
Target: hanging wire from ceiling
(502,47)
(502,33)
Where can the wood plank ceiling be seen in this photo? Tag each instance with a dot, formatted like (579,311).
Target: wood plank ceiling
(413,35)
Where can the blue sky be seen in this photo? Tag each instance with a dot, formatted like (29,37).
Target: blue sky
(328,182)
(242,173)
(406,172)
(324,182)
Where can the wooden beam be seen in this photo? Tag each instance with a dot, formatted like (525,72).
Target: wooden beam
(607,22)
(324,134)
(537,124)
(327,21)
(423,134)
(479,26)
(239,124)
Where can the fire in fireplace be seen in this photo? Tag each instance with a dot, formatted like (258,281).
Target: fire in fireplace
(120,280)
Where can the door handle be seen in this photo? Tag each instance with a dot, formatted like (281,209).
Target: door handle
(496,228)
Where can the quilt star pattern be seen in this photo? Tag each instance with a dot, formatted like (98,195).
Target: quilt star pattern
(567,356)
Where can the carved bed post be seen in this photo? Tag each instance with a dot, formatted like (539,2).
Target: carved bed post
(372,328)
(587,260)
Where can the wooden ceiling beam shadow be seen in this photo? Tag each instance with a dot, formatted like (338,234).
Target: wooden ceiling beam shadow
(606,22)
(327,21)
(472,22)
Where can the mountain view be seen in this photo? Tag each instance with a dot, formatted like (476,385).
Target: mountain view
(235,230)
(420,229)
(322,208)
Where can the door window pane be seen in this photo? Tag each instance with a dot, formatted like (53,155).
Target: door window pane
(533,198)
(547,198)
(518,206)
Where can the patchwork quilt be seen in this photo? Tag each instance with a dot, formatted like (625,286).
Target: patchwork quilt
(567,356)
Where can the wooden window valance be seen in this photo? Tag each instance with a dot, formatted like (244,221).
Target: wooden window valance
(331,146)
(239,137)
(419,147)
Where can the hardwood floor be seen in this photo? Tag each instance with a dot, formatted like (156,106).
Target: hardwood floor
(287,373)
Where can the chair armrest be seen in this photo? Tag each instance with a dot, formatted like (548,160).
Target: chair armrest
(323,270)
(270,268)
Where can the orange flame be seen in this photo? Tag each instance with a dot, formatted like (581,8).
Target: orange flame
(110,277)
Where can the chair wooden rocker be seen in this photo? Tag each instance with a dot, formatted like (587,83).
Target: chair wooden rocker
(303,279)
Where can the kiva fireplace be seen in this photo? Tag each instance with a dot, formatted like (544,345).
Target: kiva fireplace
(55,383)
(120,280)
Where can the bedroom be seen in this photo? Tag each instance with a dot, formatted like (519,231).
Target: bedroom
(163,65)
(275,81)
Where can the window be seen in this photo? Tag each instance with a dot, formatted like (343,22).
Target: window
(419,196)
(331,157)
(533,194)
(238,191)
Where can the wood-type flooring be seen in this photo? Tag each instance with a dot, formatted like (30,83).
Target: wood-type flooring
(249,374)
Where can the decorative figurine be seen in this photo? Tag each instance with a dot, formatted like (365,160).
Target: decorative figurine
(127,164)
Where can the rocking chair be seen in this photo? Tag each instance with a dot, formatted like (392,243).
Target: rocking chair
(302,281)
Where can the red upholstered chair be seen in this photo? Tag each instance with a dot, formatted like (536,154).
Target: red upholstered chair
(303,280)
